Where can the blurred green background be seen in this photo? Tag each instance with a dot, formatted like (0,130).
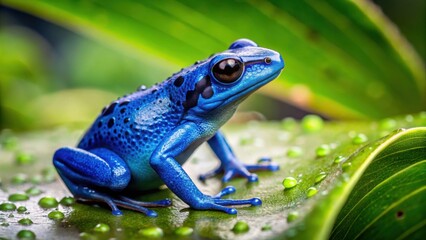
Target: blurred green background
(62,61)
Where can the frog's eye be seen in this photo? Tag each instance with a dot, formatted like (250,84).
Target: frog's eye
(228,70)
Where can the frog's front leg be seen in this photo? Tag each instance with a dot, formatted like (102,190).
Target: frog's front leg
(99,175)
(230,165)
(163,161)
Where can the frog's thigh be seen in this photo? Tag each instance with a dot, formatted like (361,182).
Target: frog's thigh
(98,167)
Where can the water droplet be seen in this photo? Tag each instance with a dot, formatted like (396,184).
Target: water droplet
(19,178)
(311,192)
(289,182)
(151,232)
(48,202)
(246,141)
(25,221)
(292,216)
(346,166)
(241,227)
(294,152)
(26,234)
(7,207)
(184,231)
(33,191)
(36,179)
(387,124)
(101,228)
(321,176)
(266,227)
(48,174)
(87,236)
(312,123)
(339,159)
(409,118)
(67,201)
(288,123)
(24,158)
(18,197)
(359,138)
(323,150)
(56,215)
(21,209)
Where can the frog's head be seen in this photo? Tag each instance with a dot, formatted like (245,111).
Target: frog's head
(236,73)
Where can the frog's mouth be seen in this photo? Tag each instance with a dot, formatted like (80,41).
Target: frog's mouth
(241,95)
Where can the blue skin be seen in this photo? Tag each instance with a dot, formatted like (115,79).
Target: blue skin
(140,141)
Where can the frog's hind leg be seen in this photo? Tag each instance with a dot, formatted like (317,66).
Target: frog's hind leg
(98,175)
(230,165)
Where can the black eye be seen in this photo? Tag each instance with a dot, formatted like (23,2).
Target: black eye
(228,70)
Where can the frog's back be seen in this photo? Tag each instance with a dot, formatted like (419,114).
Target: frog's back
(134,123)
(133,126)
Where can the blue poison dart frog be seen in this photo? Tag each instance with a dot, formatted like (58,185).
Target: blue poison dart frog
(140,141)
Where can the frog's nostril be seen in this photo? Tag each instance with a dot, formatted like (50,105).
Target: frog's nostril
(267,60)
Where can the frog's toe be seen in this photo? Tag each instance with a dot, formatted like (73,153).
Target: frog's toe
(263,167)
(117,212)
(161,203)
(256,202)
(213,173)
(226,191)
(151,213)
(232,202)
(253,178)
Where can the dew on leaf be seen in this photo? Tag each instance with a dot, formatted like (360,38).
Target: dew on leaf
(33,191)
(67,201)
(7,207)
(241,227)
(346,166)
(339,159)
(87,236)
(323,150)
(25,221)
(294,152)
(184,231)
(101,228)
(19,178)
(48,202)
(56,215)
(387,124)
(21,209)
(311,192)
(16,197)
(26,234)
(359,138)
(151,232)
(266,227)
(321,176)
(289,182)
(288,123)
(23,158)
(312,123)
(292,216)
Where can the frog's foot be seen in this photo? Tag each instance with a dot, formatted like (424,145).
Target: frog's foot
(235,168)
(89,195)
(216,203)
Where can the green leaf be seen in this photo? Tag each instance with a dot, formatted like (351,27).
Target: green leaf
(376,191)
(390,194)
(330,47)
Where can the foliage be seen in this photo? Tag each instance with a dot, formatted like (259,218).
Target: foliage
(375,190)
(330,47)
